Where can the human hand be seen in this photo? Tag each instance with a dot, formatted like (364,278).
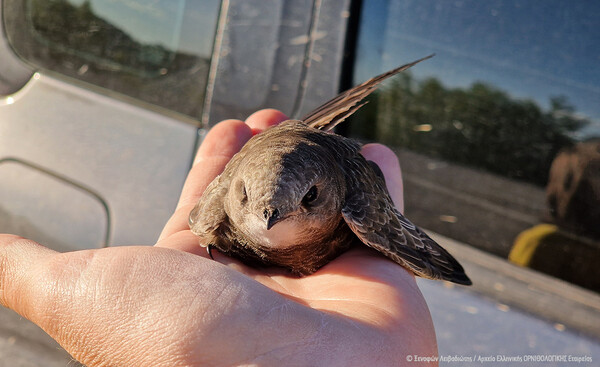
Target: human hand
(171,305)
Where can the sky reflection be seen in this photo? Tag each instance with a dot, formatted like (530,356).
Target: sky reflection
(179,25)
(531,51)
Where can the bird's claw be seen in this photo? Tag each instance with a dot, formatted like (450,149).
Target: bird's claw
(208,250)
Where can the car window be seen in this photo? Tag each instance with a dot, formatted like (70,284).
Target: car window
(497,134)
(157,51)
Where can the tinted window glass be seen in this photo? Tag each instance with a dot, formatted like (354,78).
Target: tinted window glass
(154,50)
(512,91)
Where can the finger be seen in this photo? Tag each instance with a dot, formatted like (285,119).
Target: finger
(183,240)
(18,259)
(387,160)
(264,119)
(220,144)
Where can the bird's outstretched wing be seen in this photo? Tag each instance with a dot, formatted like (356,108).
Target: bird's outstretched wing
(327,116)
(371,215)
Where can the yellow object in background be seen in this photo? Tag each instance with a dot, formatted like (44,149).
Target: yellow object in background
(560,253)
(527,243)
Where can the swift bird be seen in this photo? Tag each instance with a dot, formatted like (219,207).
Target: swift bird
(298,195)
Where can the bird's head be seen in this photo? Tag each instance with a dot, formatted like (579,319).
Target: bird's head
(276,198)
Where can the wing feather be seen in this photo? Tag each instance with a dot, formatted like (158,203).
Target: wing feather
(370,213)
(328,115)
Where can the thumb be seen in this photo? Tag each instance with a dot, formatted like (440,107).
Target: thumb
(20,289)
(387,161)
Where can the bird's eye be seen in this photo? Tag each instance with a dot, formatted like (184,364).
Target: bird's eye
(310,196)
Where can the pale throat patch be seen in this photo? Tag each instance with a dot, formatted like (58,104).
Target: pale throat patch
(283,234)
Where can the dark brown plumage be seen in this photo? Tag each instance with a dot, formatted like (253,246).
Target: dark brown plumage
(297,196)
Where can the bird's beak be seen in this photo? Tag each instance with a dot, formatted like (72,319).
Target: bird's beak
(271,217)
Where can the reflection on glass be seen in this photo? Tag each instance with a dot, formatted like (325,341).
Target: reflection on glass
(98,31)
(479,125)
(568,248)
(154,50)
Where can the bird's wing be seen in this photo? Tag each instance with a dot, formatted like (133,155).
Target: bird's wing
(209,212)
(327,116)
(371,215)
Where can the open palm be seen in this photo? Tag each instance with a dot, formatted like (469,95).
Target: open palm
(171,305)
